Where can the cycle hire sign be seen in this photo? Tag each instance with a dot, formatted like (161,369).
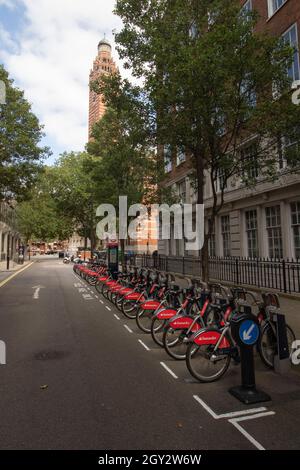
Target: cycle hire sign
(249,332)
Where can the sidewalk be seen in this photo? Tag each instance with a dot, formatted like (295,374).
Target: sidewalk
(13,267)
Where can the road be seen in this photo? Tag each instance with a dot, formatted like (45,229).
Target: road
(81,376)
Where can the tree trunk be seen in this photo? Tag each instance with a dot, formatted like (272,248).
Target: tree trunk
(85,247)
(205,261)
(122,258)
(200,200)
(93,239)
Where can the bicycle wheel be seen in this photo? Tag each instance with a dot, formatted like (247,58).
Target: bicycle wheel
(212,317)
(175,342)
(144,320)
(91,280)
(200,365)
(104,290)
(157,330)
(98,287)
(129,308)
(118,300)
(267,346)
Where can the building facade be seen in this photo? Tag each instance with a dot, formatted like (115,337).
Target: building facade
(263,221)
(9,235)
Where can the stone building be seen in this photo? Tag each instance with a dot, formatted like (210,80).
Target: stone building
(9,235)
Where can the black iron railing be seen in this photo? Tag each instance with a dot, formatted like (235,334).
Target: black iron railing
(282,274)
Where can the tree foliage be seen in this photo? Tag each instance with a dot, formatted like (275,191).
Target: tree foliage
(20,150)
(216,84)
(39,218)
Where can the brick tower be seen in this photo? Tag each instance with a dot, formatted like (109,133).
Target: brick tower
(103,64)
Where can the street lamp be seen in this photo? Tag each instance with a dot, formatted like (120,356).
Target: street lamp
(8,250)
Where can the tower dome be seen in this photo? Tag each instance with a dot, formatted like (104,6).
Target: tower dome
(104,45)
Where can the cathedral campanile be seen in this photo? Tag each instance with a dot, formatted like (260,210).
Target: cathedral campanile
(103,64)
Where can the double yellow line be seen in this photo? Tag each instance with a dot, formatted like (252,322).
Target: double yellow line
(15,274)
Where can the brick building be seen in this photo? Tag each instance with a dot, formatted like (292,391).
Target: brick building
(263,221)
(103,64)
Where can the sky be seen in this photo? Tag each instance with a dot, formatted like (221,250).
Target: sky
(48,48)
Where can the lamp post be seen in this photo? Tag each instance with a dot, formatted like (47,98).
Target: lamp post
(8,251)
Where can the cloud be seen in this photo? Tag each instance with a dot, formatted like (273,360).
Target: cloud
(7,3)
(52,58)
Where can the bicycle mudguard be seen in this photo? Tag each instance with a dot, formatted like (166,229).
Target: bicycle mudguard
(125,291)
(110,283)
(135,296)
(183,322)
(150,305)
(116,288)
(102,278)
(166,313)
(211,336)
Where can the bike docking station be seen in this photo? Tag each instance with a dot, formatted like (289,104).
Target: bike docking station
(245,331)
(282,364)
(113,259)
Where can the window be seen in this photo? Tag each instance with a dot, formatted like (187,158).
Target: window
(168,158)
(247,6)
(225,226)
(295,215)
(252,234)
(249,161)
(273,224)
(221,183)
(180,155)
(248,92)
(291,37)
(194,31)
(292,148)
(181,189)
(274,5)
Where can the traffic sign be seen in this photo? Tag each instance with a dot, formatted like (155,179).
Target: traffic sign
(249,332)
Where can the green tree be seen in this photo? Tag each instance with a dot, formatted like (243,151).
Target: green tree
(73,190)
(123,144)
(20,136)
(215,84)
(39,217)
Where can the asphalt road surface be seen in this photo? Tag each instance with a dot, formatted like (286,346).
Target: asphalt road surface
(79,375)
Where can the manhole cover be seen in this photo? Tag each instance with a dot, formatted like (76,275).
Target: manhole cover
(50,355)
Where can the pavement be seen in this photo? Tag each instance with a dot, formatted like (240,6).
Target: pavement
(79,375)
(13,268)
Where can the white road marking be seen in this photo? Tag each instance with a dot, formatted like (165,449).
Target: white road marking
(96,296)
(144,345)
(116,316)
(36,294)
(108,308)
(87,297)
(168,370)
(101,301)
(227,415)
(235,423)
(128,329)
